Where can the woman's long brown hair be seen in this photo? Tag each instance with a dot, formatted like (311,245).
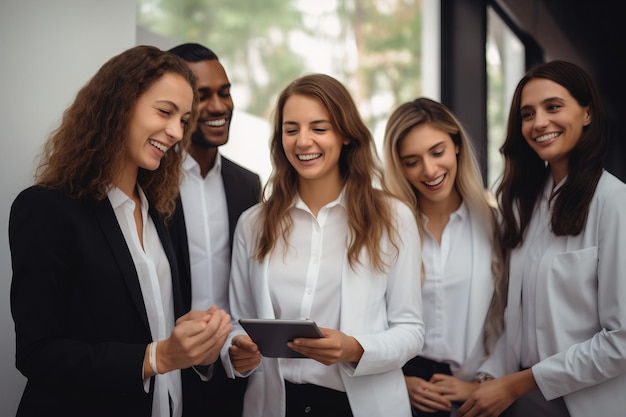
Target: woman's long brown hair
(368,210)
(81,156)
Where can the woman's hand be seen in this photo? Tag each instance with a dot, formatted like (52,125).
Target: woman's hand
(196,339)
(334,347)
(426,396)
(244,353)
(495,396)
(453,388)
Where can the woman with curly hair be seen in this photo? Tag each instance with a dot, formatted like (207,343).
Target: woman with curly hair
(326,245)
(95,293)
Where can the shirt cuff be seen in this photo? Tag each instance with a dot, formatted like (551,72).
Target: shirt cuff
(204,371)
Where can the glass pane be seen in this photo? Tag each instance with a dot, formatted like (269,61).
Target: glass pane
(505,67)
(373,46)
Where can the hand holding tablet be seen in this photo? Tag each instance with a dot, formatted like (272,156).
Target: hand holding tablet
(272,335)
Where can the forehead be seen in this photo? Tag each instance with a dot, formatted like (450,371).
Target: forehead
(300,106)
(540,89)
(422,137)
(170,87)
(209,74)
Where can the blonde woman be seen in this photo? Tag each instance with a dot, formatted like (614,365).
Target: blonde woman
(430,164)
(326,245)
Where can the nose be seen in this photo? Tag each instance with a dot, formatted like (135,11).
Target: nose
(215,104)
(541,120)
(430,168)
(304,139)
(175,130)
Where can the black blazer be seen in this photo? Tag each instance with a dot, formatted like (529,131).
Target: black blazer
(80,321)
(220,396)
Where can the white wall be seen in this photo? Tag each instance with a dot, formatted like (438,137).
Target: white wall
(48,50)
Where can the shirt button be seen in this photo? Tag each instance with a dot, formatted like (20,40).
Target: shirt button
(307,409)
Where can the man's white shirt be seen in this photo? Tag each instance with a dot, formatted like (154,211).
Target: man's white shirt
(206,222)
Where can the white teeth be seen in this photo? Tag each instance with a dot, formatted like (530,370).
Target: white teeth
(547,137)
(309,157)
(435,182)
(215,123)
(158,145)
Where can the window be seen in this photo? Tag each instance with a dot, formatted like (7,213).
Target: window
(384,51)
(505,67)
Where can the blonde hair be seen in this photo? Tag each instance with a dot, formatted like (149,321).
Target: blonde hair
(368,211)
(468,183)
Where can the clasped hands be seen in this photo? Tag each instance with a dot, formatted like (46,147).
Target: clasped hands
(196,339)
(438,393)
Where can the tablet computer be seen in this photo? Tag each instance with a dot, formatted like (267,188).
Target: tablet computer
(272,335)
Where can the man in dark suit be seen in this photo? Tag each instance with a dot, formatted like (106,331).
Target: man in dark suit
(214,192)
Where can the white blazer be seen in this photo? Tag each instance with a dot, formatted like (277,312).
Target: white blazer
(481,291)
(581,300)
(382,311)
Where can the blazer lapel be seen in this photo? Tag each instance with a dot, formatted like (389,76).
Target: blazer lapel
(232,196)
(178,236)
(481,288)
(162,231)
(113,234)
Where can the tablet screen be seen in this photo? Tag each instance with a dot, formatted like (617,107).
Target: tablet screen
(272,335)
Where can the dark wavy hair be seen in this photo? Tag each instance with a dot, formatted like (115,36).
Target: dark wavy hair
(525,173)
(368,210)
(81,156)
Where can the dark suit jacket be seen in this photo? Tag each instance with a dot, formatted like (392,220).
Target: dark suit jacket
(221,396)
(80,321)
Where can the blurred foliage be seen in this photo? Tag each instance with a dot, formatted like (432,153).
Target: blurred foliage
(373,45)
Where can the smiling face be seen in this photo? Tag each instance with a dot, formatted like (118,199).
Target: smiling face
(310,142)
(215,107)
(552,122)
(158,121)
(429,161)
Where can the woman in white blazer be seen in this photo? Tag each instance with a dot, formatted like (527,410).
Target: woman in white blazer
(328,246)
(430,164)
(564,223)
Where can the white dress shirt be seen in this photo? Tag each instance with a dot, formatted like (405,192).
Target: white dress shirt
(206,221)
(303,287)
(155,279)
(538,239)
(446,290)
(380,309)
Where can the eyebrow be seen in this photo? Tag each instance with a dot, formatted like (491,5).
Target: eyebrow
(544,101)
(171,103)
(436,145)
(314,122)
(220,88)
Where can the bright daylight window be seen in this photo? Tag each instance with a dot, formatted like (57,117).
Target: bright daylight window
(385,51)
(505,67)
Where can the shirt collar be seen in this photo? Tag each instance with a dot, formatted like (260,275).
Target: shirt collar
(190,164)
(118,197)
(551,188)
(462,212)
(339,201)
